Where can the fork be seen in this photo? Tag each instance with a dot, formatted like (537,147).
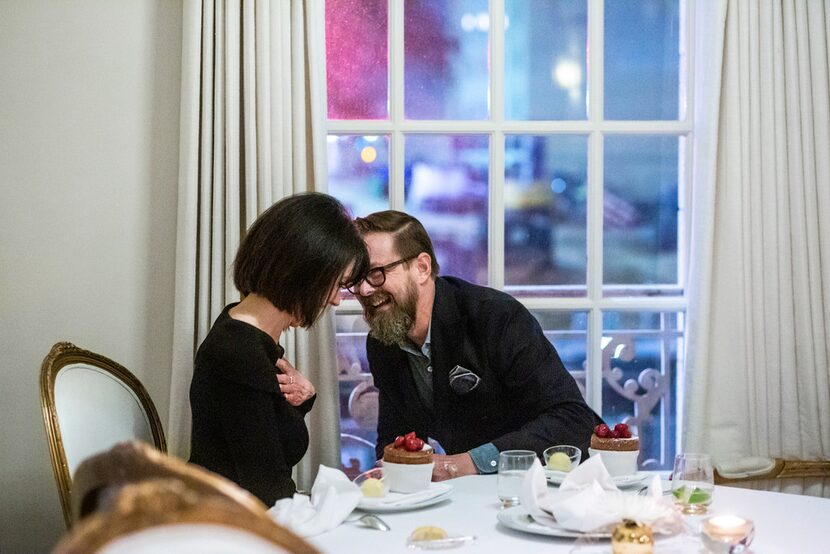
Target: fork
(372,521)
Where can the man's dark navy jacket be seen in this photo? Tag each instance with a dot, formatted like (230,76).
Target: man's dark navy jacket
(526,399)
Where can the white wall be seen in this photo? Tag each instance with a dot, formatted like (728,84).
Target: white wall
(89,109)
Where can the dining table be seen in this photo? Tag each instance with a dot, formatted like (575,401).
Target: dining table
(784,523)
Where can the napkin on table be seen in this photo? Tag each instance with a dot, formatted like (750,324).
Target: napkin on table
(333,497)
(588,500)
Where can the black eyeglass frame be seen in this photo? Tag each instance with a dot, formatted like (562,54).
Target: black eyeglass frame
(381,269)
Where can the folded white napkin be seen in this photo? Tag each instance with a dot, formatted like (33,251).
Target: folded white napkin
(588,500)
(333,497)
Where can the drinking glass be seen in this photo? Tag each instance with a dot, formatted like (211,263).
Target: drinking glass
(693,482)
(513,464)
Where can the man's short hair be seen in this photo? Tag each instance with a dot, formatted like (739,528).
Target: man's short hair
(410,237)
(295,253)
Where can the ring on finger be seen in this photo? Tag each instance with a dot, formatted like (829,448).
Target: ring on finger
(290,379)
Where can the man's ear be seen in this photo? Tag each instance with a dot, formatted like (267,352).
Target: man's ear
(423,264)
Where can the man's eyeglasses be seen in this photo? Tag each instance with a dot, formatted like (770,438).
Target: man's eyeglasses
(377,275)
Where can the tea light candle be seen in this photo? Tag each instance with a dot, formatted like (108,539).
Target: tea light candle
(722,532)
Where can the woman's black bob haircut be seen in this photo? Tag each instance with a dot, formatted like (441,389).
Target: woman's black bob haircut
(297,251)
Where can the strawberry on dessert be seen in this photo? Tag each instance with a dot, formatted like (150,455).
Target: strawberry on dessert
(619,438)
(408,449)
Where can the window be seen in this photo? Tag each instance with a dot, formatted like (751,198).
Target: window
(544,145)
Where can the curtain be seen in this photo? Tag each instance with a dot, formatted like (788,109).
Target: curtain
(758,379)
(252,118)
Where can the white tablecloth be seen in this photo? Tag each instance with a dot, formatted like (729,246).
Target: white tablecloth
(784,523)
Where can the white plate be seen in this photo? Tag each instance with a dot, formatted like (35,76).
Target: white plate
(397,502)
(622,481)
(517,518)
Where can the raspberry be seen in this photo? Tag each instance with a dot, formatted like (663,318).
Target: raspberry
(413,444)
(602,431)
(626,434)
(410,435)
(615,434)
(399,440)
(620,427)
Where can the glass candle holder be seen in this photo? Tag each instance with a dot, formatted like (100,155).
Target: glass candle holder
(727,534)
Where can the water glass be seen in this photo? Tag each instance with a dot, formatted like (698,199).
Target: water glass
(513,464)
(693,482)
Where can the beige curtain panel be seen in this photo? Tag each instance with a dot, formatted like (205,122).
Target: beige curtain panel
(252,117)
(758,351)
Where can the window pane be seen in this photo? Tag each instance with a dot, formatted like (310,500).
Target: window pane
(641,380)
(642,59)
(545,73)
(358,167)
(357,50)
(446,59)
(358,396)
(545,210)
(640,212)
(568,333)
(445,186)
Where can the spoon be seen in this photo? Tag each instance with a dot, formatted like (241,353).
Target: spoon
(373,521)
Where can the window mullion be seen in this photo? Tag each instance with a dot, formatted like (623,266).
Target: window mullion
(495,250)
(595,199)
(396,105)
(496,211)
(686,80)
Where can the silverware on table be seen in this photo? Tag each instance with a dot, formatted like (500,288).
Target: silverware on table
(372,521)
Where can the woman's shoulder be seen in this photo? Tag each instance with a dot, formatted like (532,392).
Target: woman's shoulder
(237,352)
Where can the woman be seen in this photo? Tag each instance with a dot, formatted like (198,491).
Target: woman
(247,401)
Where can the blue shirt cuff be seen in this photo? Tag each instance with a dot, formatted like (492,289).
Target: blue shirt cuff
(486,458)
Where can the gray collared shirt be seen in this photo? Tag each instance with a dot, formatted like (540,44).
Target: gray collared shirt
(420,363)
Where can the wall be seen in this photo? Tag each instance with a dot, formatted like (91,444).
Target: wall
(89,112)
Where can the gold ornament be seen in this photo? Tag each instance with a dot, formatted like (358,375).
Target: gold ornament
(630,537)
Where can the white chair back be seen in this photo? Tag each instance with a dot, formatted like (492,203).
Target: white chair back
(96,410)
(192,539)
(89,404)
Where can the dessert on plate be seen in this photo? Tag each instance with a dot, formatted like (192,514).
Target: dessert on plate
(562,457)
(617,447)
(407,464)
(373,488)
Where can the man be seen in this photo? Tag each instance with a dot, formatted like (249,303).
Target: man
(466,365)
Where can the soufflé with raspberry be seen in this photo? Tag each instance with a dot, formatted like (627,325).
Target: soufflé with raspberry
(407,464)
(618,449)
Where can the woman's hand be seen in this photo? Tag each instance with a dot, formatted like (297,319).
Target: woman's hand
(293,384)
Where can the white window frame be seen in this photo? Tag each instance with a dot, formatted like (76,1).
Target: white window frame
(594,127)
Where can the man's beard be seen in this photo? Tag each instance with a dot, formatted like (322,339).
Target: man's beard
(391,325)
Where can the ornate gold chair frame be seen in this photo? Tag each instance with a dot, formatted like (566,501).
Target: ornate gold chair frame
(62,355)
(780,469)
(168,502)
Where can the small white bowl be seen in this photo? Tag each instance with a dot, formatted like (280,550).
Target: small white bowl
(406,478)
(374,473)
(572,452)
(618,462)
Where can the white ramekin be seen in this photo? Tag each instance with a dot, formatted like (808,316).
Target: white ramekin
(407,478)
(618,462)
